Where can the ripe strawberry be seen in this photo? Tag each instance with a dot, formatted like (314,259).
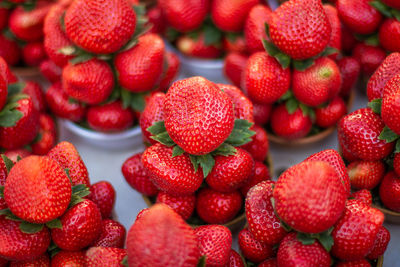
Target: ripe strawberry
(366,174)
(369,57)
(389,35)
(380,244)
(260,173)
(81,227)
(242,106)
(3,177)
(68,157)
(215,207)
(329,115)
(33,53)
(3,17)
(6,72)
(103,195)
(100,256)
(47,134)
(356,263)
(252,249)
(14,154)
(259,146)
(112,235)
(110,117)
(349,70)
(153,112)
(260,214)
(234,43)
(173,62)
(261,113)
(185,16)
(265,80)
(160,237)
(389,191)
(348,39)
(9,50)
(317,84)
(194,102)
(197,47)
(60,105)
(234,65)
(254,28)
(157,21)
(235,260)
(42,261)
(336,35)
(173,175)
(390,104)
(396,163)
(290,126)
(137,177)
(214,242)
(68,258)
(3,91)
(355,232)
(50,70)
(293,252)
(16,245)
(269,263)
(363,195)
(392,3)
(35,91)
(358,133)
(231,15)
(183,205)
(347,154)
(140,68)
(287,28)
(391,87)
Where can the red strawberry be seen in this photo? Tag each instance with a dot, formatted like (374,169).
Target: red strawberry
(363,195)
(112,235)
(366,174)
(100,256)
(389,35)
(157,22)
(14,154)
(264,78)
(390,104)
(254,28)
(153,112)
(185,16)
(347,154)
(173,175)
(235,260)
(84,28)
(260,173)
(259,146)
(47,135)
(392,3)
(183,205)
(3,91)
(293,252)
(329,115)
(68,157)
(137,177)
(140,68)
(317,84)
(336,36)
(369,57)
(287,28)
(60,105)
(218,208)
(33,53)
(190,110)
(242,106)
(290,126)
(230,15)
(16,245)
(261,113)
(3,262)
(3,17)
(50,70)
(103,195)
(349,70)
(396,163)
(110,117)
(161,238)
(260,214)
(68,258)
(173,63)
(253,249)
(9,50)
(391,88)
(234,43)
(389,191)
(356,263)
(381,243)
(358,133)
(81,227)
(269,263)
(3,177)
(355,232)
(42,261)
(234,65)
(214,242)
(348,39)
(35,91)
(197,47)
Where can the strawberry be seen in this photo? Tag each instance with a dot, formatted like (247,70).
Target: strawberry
(360,16)
(363,195)
(355,232)
(231,172)
(260,173)
(33,53)
(265,80)
(392,3)
(100,256)
(9,50)
(17,245)
(183,205)
(173,175)
(185,16)
(317,84)
(349,70)
(6,72)
(260,214)
(356,263)
(259,146)
(369,57)
(231,15)
(391,88)
(389,35)
(173,63)
(140,68)
(157,21)
(269,263)
(242,106)
(111,117)
(68,157)
(235,260)
(84,28)
(3,17)
(60,105)
(42,261)
(214,242)
(153,112)
(380,244)
(137,177)
(35,92)
(234,65)
(347,154)
(160,237)
(390,104)
(14,154)
(47,135)
(3,177)
(293,252)
(215,207)
(3,91)
(348,39)
(68,258)
(389,191)
(190,110)
(252,249)
(112,235)
(234,43)
(287,28)
(198,47)
(290,126)
(103,195)
(336,35)
(329,115)
(81,227)
(50,70)
(254,28)
(366,174)
(358,133)
(396,163)
(261,113)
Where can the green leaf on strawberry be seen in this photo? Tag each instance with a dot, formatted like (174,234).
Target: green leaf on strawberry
(376,105)
(397,147)
(266,27)
(381,7)
(274,51)
(212,35)
(396,14)
(202,261)
(15,88)
(302,65)
(1,191)
(8,162)
(388,135)
(286,96)
(157,128)
(225,150)
(241,133)
(53,249)
(305,239)
(5,211)
(177,151)
(291,105)
(138,103)
(80,190)
(81,58)
(56,223)
(124,261)
(30,228)
(326,240)
(29,5)
(6,4)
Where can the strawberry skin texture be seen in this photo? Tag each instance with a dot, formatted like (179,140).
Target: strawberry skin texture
(243,107)
(111,117)
(103,195)
(336,36)
(391,104)
(253,249)
(140,68)
(190,112)
(33,53)
(16,245)
(329,115)
(269,263)
(363,195)
(259,146)
(261,113)
(3,177)
(42,261)
(173,62)
(369,57)
(358,133)
(37,190)
(235,260)
(366,174)
(234,65)
(389,35)
(254,28)
(198,47)
(68,258)
(9,50)
(173,175)
(50,70)
(153,112)
(290,126)
(183,205)
(349,70)
(48,134)
(260,173)
(389,191)
(100,256)
(264,78)
(381,242)
(396,163)
(112,235)
(3,90)
(160,237)
(35,91)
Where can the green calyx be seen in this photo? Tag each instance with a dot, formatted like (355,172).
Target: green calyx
(385,9)
(10,115)
(325,238)
(376,105)
(388,135)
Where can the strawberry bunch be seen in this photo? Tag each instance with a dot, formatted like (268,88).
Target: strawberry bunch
(306,218)
(205,152)
(51,214)
(108,62)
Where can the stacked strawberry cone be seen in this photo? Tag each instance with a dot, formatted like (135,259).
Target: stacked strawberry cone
(51,214)
(205,152)
(108,63)
(306,218)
